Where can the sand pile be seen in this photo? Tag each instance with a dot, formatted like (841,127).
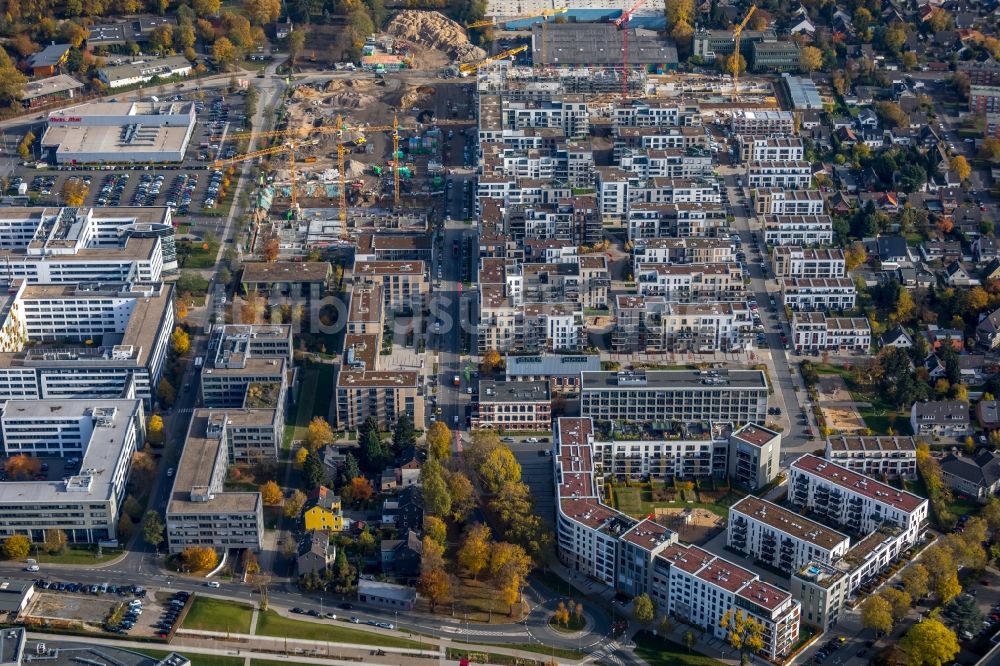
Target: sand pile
(415,95)
(435,31)
(349,94)
(354,169)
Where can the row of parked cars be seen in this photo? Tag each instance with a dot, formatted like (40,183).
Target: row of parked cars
(128,620)
(91,588)
(214,183)
(832,646)
(112,188)
(181,191)
(170,614)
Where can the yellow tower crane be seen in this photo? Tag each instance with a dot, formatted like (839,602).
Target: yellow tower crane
(735,64)
(467,68)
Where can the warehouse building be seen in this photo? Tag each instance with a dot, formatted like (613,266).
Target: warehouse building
(590,45)
(120,132)
(88,445)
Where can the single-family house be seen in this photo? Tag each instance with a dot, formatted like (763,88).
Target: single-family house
(892,252)
(988,414)
(402,556)
(48,61)
(315,553)
(896,337)
(955,275)
(977,475)
(988,331)
(404,511)
(323,511)
(985,248)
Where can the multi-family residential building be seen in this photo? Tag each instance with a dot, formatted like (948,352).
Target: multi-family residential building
(201,512)
(404,283)
(655,113)
(779,201)
(640,556)
(737,396)
(984,99)
(857,502)
(691,282)
(584,281)
(941,418)
(793,261)
(788,174)
(681,163)
(657,138)
(394,247)
(568,113)
(763,123)
(649,221)
(876,455)
(113,340)
(618,189)
(798,230)
(88,445)
(683,251)
(366,314)
(814,331)
(769,533)
(655,324)
(379,394)
(818,293)
(561,371)
(690,450)
(754,456)
(307,280)
(511,406)
(755,149)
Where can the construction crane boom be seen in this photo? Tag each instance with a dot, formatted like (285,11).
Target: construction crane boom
(735,64)
(467,68)
(622,24)
(491,23)
(252,155)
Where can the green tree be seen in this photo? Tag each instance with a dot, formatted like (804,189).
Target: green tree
(313,473)
(152,529)
(643,609)
(296,42)
(929,643)
(403,434)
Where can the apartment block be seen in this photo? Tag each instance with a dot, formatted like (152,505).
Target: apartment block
(754,456)
(511,406)
(574,220)
(691,282)
(648,221)
(560,371)
(738,396)
(818,293)
(668,163)
(788,174)
(783,539)
(763,123)
(655,113)
(88,445)
(366,314)
(755,149)
(892,457)
(688,451)
(779,201)
(568,113)
(385,246)
(941,418)
(815,331)
(200,511)
(856,502)
(656,138)
(984,99)
(798,230)
(793,261)
(379,394)
(404,283)
(685,250)
(584,281)
(656,325)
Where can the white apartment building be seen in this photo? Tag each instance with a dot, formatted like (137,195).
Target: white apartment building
(815,331)
(777,148)
(788,174)
(818,293)
(618,189)
(668,163)
(763,123)
(695,450)
(657,138)
(793,261)
(655,113)
(691,282)
(857,502)
(654,324)
(88,444)
(754,456)
(875,455)
(568,113)
(685,250)
(783,539)
(798,230)
(737,396)
(647,221)
(779,201)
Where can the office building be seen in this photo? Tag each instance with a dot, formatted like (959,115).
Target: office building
(512,406)
(598,45)
(252,435)
(247,367)
(144,71)
(737,396)
(200,512)
(562,372)
(88,446)
(708,44)
(774,56)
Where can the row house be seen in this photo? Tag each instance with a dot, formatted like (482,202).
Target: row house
(789,174)
(793,261)
(681,220)
(814,332)
(797,229)
(691,282)
(684,250)
(779,201)
(656,325)
(818,293)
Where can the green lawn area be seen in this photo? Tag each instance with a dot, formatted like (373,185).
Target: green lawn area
(881,416)
(271,624)
(79,556)
(218,615)
(638,501)
(557,584)
(961,507)
(197,659)
(827,369)
(315,393)
(654,650)
(562,653)
(193,254)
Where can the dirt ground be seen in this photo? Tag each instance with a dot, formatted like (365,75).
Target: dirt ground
(843,420)
(89,610)
(694,525)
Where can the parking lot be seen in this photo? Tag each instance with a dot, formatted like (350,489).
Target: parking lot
(190,188)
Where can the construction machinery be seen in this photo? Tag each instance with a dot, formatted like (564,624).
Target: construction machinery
(622,24)
(735,64)
(467,68)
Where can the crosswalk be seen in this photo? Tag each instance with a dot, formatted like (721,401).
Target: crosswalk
(606,653)
(480,632)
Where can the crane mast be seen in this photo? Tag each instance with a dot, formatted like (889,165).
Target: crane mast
(735,65)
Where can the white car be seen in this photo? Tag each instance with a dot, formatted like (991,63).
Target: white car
(212,583)
(170,472)
(33,567)
(532,440)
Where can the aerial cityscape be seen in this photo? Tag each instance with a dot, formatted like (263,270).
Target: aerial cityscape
(525,333)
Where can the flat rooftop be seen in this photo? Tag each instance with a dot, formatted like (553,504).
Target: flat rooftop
(98,139)
(255,272)
(790,522)
(648,535)
(858,483)
(50,86)
(872,444)
(494,392)
(726,575)
(690,559)
(722,380)
(764,594)
(388,268)
(597,45)
(755,435)
(377,379)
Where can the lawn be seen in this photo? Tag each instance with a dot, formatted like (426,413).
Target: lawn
(196,659)
(655,651)
(79,556)
(562,653)
(557,584)
(197,254)
(271,624)
(638,501)
(218,615)
(315,393)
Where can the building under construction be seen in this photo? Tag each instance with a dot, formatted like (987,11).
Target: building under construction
(599,45)
(529,83)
